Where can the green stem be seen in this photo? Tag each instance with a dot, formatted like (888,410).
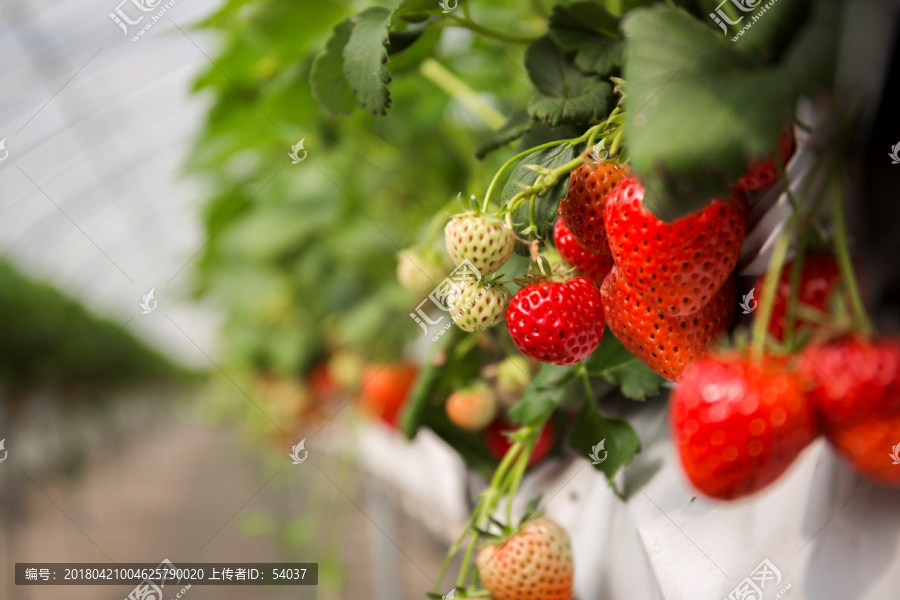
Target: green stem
(790,316)
(509,163)
(454,548)
(466,10)
(767,300)
(845,262)
(786,184)
(471,25)
(437,223)
(486,506)
(542,183)
(518,472)
(505,482)
(572,142)
(617,140)
(460,91)
(531,214)
(586,378)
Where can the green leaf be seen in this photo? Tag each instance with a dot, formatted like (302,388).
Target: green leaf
(809,62)
(329,86)
(635,379)
(601,57)
(543,395)
(619,440)
(591,33)
(401,39)
(415,11)
(546,204)
(365,59)
(566,94)
(588,105)
(610,353)
(518,125)
(620,7)
(612,361)
(426,385)
(700,108)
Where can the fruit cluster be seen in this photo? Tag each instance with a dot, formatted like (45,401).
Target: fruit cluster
(739,421)
(741,412)
(666,288)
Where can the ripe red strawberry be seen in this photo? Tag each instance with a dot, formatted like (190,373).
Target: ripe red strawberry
(855,386)
(484,241)
(476,306)
(385,388)
(762,174)
(472,408)
(553,322)
(819,276)
(534,563)
(739,424)
(582,208)
(664,343)
(593,266)
(676,267)
(498,444)
(321,382)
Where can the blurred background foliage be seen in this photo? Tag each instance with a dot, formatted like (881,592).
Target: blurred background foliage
(303,255)
(49,342)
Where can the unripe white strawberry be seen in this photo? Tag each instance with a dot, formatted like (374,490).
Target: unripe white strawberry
(484,241)
(536,562)
(420,272)
(514,375)
(476,306)
(472,408)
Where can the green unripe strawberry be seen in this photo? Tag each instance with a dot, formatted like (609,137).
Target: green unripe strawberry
(476,306)
(420,271)
(513,378)
(484,241)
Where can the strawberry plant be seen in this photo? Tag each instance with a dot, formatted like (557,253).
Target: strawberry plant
(597,168)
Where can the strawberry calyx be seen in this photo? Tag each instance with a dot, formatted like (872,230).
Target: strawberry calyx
(542,271)
(508,530)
